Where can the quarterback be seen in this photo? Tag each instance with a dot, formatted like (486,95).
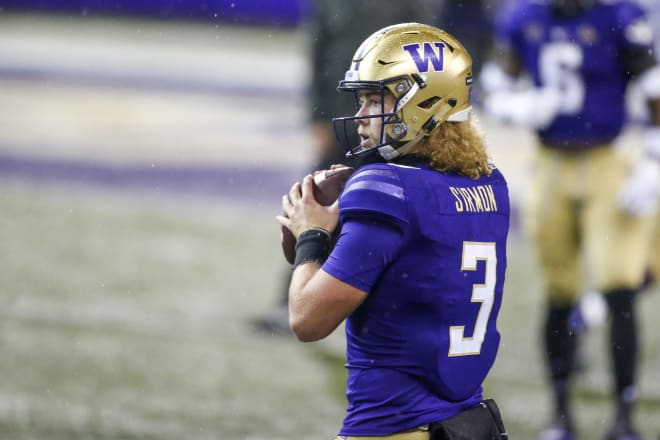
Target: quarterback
(418,269)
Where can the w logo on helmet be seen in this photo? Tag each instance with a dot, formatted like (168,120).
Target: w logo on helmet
(433,52)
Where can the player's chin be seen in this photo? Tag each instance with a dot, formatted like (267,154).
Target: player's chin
(365,144)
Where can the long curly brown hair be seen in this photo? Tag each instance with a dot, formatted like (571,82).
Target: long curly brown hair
(457,147)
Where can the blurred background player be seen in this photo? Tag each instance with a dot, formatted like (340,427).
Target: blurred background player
(418,269)
(586,200)
(334,30)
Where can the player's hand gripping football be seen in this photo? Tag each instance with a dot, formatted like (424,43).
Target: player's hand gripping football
(320,210)
(303,212)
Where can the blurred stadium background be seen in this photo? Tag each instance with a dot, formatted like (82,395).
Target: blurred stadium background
(144,146)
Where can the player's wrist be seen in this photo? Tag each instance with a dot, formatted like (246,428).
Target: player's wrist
(313,245)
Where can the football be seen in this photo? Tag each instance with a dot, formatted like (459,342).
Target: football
(327,187)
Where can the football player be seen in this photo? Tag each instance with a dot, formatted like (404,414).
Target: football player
(588,206)
(418,269)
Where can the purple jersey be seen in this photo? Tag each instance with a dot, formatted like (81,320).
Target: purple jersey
(584,57)
(430,250)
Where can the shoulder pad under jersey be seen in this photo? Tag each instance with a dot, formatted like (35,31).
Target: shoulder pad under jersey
(374,191)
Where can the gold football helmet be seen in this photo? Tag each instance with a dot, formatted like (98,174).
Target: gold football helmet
(428,72)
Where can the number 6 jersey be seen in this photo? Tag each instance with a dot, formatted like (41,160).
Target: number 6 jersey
(589,58)
(430,250)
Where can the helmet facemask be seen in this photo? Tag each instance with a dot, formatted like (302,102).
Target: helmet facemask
(392,127)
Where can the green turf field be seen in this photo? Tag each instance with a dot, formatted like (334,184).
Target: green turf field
(125,317)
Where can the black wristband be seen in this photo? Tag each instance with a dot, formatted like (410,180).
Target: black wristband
(313,245)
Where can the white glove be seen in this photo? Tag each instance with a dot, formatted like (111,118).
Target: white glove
(493,79)
(589,312)
(534,108)
(639,195)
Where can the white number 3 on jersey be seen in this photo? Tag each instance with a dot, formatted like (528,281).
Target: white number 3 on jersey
(459,343)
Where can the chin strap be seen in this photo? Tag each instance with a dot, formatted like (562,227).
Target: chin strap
(388,152)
